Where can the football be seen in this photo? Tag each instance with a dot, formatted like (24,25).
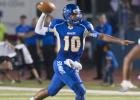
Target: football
(46,6)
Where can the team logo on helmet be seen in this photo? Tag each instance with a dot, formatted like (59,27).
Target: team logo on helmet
(70,10)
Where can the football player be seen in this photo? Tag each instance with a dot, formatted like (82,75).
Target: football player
(70,33)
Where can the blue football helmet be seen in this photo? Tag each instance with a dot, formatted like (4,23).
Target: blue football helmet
(72,9)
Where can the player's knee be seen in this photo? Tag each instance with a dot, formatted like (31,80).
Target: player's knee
(80,91)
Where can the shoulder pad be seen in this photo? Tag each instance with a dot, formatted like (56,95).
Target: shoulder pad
(54,22)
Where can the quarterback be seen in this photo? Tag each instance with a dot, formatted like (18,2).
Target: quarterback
(70,33)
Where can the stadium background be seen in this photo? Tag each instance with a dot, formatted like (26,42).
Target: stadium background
(12,9)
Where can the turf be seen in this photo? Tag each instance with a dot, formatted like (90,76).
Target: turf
(25,95)
(88,85)
(16,95)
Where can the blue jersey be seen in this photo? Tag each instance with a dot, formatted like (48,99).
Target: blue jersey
(22,29)
(71,39)
(33,39)
(25,29)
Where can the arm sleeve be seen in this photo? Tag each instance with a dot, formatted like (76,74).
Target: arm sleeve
(91,31)
(53,23)
(40,28)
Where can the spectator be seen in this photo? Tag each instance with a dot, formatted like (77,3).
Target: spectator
(9,55)
(48,50)
(26,34)
(113,17)
(6,53)
(103,27)
(114,5)
(26,60)
(22,29)
(124,12)
(2,28)
(31,43)
(136,9)
(111,64)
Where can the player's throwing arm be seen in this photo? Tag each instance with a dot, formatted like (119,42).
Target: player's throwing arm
(45,7)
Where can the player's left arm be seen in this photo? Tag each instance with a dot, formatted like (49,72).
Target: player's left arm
(113,39)
(105,37)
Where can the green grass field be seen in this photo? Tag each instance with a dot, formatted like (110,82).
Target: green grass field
(17,95)
(25,95)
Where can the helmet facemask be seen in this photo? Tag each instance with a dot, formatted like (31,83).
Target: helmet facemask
(72,16)
(75,17)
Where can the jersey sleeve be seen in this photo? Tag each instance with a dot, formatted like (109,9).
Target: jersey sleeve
(54,22)
(90,30)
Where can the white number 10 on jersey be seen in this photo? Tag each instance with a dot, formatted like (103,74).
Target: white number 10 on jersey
(73,43)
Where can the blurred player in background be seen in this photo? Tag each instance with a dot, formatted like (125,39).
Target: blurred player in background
(111,65)
(26,35)
(106,28)
(133,54)
(70,33)
(22,29)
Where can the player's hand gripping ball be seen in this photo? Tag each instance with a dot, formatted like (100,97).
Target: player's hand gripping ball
(46,6)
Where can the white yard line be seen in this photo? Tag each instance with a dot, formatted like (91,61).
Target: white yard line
(67,91)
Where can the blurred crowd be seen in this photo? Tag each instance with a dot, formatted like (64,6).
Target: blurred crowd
(35,53)
(125,14)
(29,50)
